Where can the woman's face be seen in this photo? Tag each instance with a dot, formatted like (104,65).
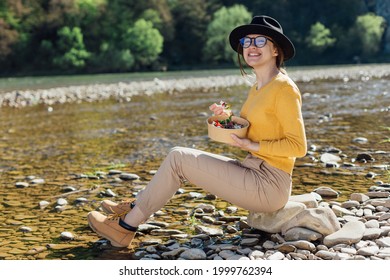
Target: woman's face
(255,56)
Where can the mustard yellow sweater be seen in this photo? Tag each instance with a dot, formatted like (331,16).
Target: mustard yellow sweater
(276,123)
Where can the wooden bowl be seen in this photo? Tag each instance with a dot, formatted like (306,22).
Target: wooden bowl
(223,134)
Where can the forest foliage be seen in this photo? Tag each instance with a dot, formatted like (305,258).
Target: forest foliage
(96,36)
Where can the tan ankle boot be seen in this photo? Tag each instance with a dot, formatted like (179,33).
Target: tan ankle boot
(109,228)
(120,208)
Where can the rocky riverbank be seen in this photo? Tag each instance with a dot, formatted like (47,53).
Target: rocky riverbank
(356,229)
(310,227)
(123,92)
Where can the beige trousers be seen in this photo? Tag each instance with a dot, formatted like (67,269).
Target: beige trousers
(251,184)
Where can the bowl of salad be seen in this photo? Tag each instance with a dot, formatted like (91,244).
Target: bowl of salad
(221,126)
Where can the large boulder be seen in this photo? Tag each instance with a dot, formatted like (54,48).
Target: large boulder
(274,221)
(321,220)
(309,199)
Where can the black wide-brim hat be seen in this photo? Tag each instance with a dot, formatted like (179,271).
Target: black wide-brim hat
(267,26)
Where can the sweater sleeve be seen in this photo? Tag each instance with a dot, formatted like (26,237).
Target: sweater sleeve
(288,112)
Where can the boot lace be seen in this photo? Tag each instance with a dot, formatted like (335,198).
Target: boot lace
(116,216)
(126,202)
(123,203)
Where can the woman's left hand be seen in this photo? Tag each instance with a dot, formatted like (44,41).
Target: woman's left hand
(244,143)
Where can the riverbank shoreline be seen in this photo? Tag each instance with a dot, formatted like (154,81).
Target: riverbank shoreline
(124,91)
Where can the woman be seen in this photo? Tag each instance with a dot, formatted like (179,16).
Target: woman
(276,136)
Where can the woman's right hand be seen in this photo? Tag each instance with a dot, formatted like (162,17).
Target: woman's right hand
(218,110)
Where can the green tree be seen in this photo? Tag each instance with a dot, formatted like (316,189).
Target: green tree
(20,20)
(191,19)
(110,58)
(86,13)
(71,49)
(92,6)
(368,30)
(217,48)
(8,37)
(319,38)
(152,16)
(144,41)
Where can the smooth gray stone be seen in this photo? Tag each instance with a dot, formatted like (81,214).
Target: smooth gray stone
(326,191)
(276,256)
(274,221)
(128,176)
(368,251)
(372,233)
(383,242)
(193,254)
(209,231)
(21,185)
(321,220)
(308,199)
(360,197)
(300,233)
(351,232)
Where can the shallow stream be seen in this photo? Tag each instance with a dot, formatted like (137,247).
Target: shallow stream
(75,145)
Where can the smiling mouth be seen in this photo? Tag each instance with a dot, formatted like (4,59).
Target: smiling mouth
(254,55)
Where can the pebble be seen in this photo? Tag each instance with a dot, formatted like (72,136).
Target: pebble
(326,192)
(368,251)
(193,195)
(209,231)
(351,232)
(43,204)
(383,242)
(364,157)
(207,208)
(21,185)
(67,235)
(276,256)
(360,140)
(114,172)
(80,200)
(372,233)
(68,189)
(109,193)
(249,241)
(350,204)
(62,202)
(37,181)
(256,255)
(25,229)
(359,197)
(128,176)
(329,158)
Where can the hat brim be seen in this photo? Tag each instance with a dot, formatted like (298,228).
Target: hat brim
(283,42)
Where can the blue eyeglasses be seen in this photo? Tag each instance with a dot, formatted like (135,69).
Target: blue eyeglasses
(258,41)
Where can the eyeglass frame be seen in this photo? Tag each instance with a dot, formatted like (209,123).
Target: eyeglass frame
(254,41)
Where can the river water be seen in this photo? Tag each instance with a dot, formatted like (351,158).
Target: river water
(75,145)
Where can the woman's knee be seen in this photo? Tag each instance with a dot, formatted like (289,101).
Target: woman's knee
(179,154)
(175,154)
(176,151)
